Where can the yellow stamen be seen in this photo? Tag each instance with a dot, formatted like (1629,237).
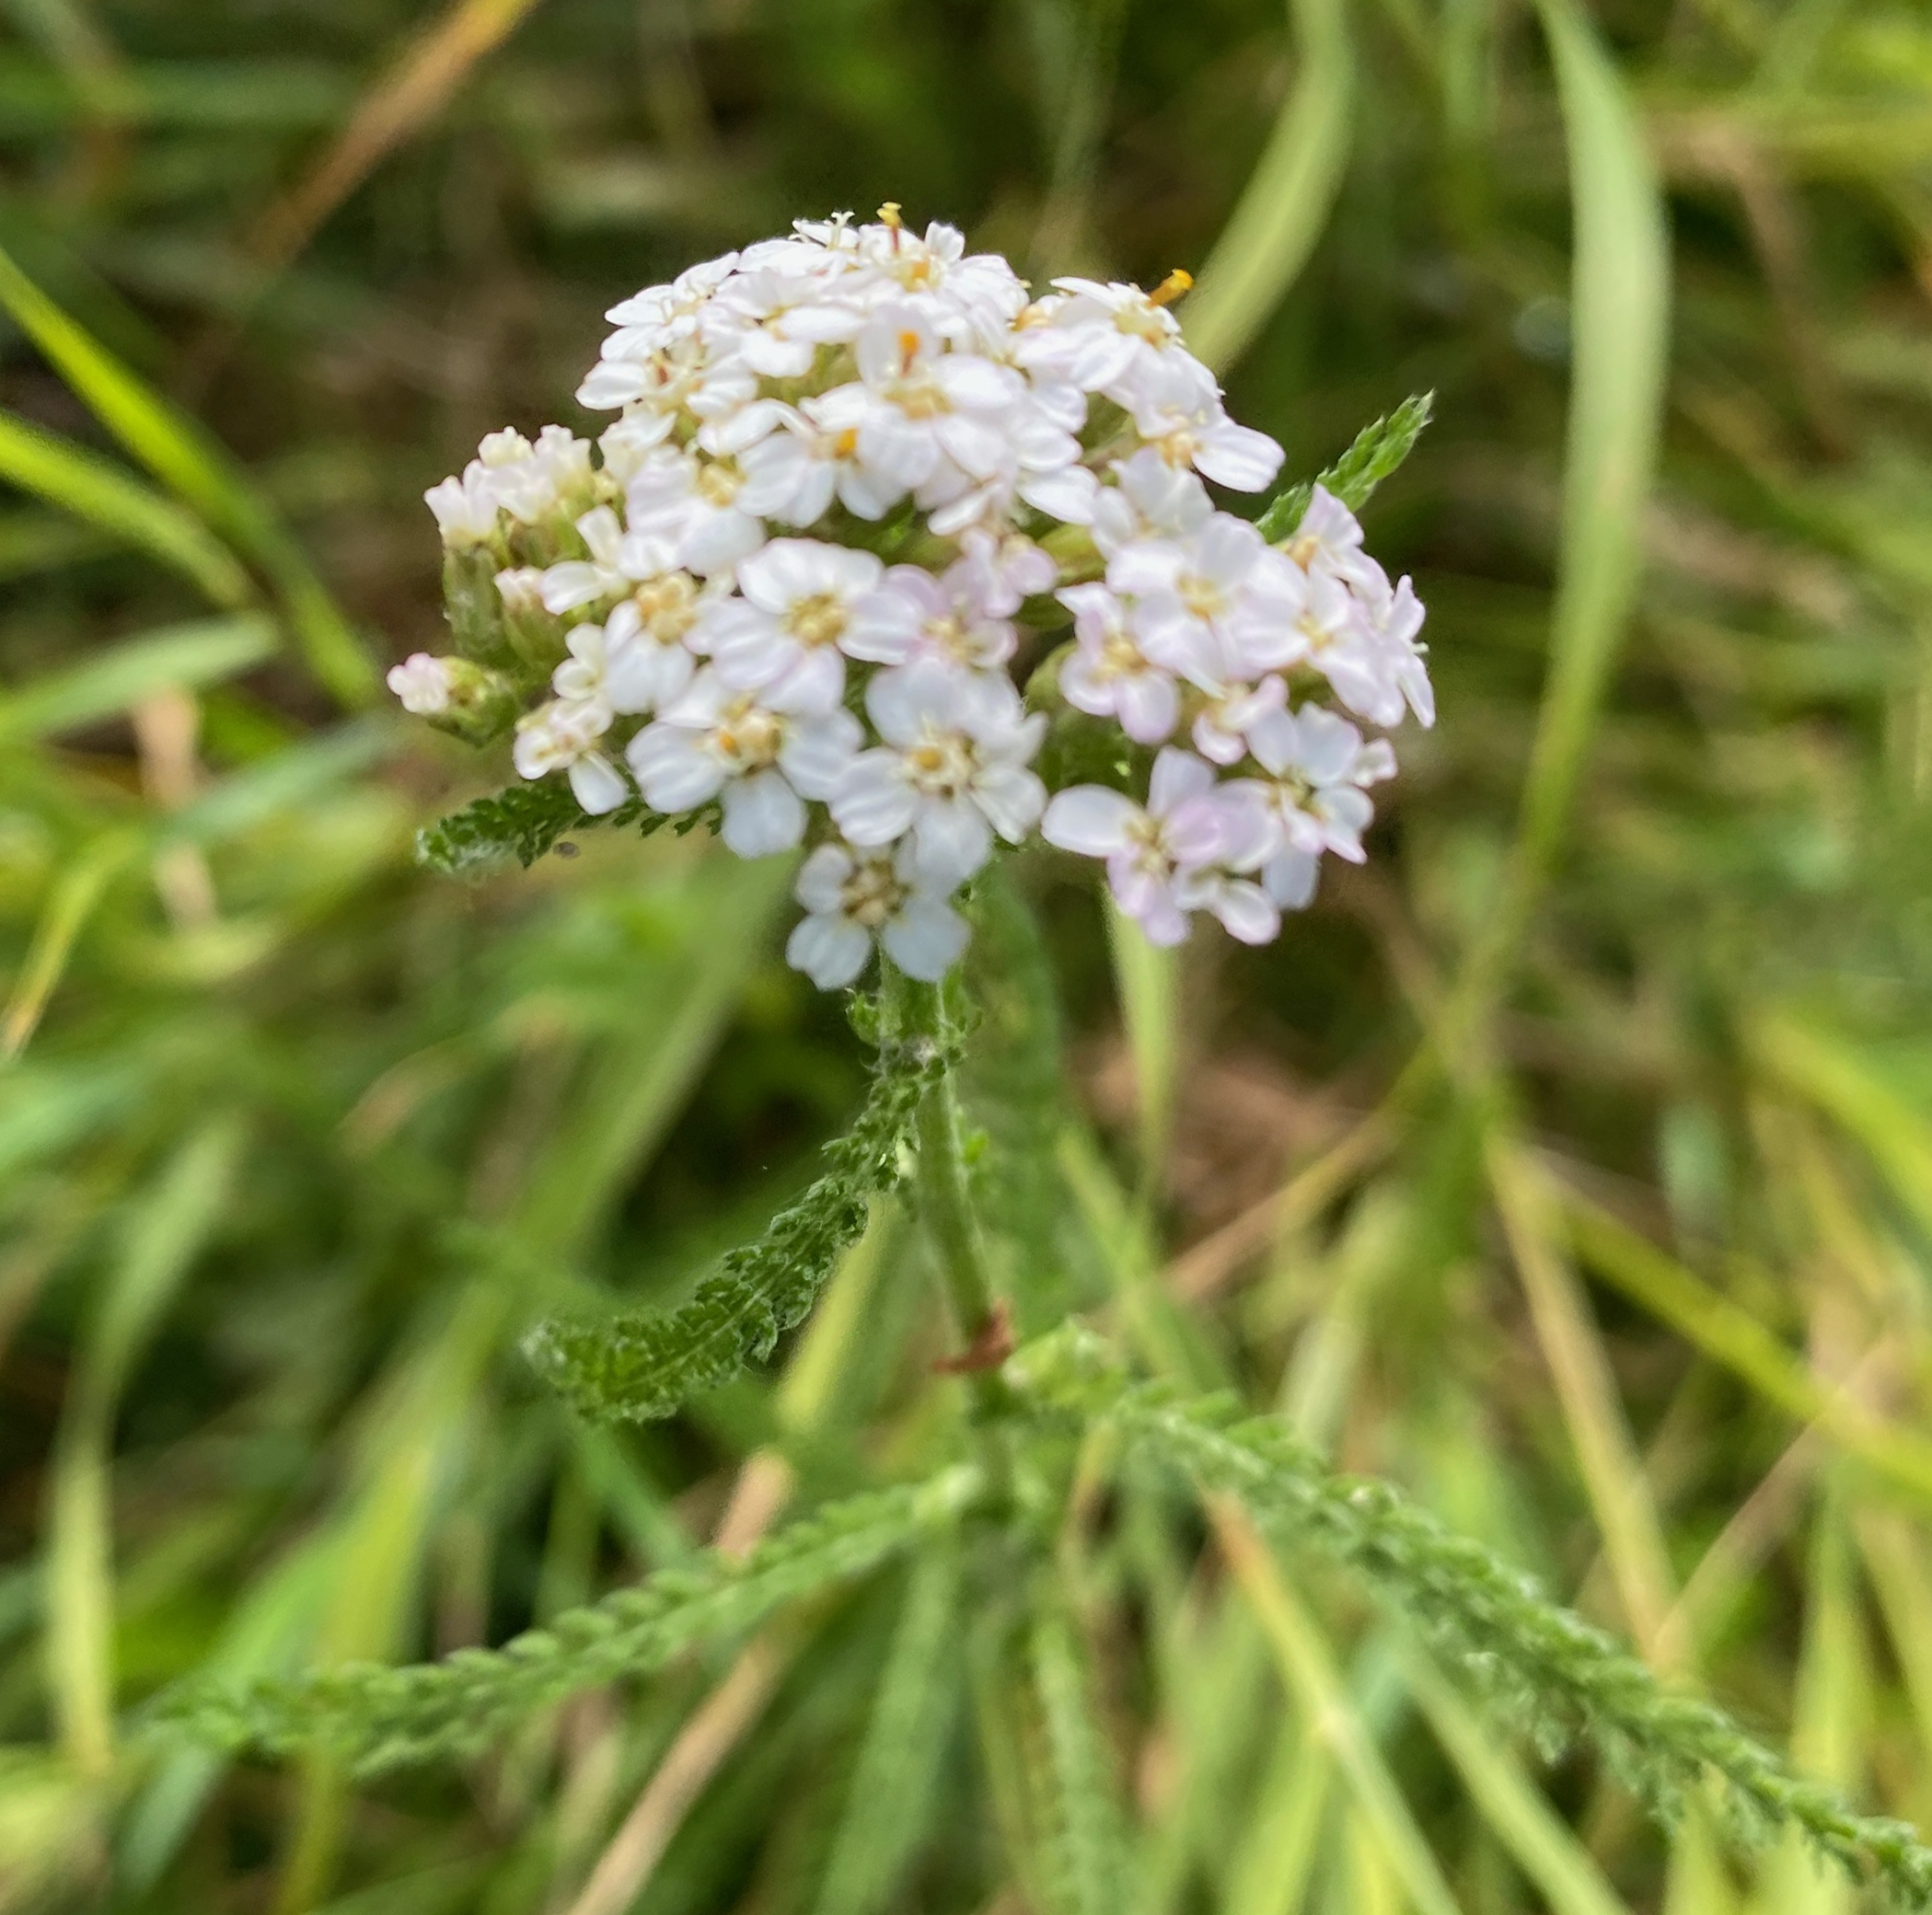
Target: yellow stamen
(889,218)
(1178,282)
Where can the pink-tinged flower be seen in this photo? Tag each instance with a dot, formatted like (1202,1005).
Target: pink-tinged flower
(1329,539)
(1368,652)
(1167,859)
(1008,569)
(760,752)
(423,683)
(951,773)
(1314,798)
(562,736)
(1109,675)
(856,898)
(1225,723)
(803,602)
(1217,607)
(915,616)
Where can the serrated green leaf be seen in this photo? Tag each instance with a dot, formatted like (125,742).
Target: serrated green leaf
(649,1362)
(892,1787)
(1377,450)
(1547,1667)
(375,1717)
(523,822)
(1081,1822)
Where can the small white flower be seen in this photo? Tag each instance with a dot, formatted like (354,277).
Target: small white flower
(1111,338)
(763,753)
(693,505)
(548,480)
(855,898)
(521,588)
(465,508)
(423,682)
(914,616)
(1368,653)
(803,602)
(775,321)
(562,736)
(1329,539)
(1008,569)
(951,773)
(1158,855)
(617,560)
(1109,675)
(1189,428)
(792,475)
(1149,500)
(617,669)
(932,419)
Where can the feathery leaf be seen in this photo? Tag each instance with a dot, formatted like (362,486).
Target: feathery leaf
(521,822)
(1547,1666)
(891,1794)
(647,1363)
(1080,1820)
(375,1716)
(1377,450)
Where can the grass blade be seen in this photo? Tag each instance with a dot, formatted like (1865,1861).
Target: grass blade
(181,454)
(98,491)
(1288,198)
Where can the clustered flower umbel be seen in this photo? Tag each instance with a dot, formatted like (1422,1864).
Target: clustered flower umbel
(855,475)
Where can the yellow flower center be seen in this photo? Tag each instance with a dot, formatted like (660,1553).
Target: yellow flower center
(747,737)
(818,620)
(873,895)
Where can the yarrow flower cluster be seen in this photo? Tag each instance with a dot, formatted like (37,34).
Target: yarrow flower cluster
(858,482)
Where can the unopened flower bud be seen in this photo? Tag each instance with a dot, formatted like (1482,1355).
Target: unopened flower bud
(456,695)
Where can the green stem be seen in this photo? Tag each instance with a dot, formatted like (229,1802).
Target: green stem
(944,1199)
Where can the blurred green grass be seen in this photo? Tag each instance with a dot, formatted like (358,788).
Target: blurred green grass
(1629,1272)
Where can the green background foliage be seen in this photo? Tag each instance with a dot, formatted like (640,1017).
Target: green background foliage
(1570,1165)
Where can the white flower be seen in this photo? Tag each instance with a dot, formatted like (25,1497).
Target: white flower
(792,475)
(931,419)
(1218,607)
(693,505)
(951,773)
(761,751)
(775,321)
(853,898)
(916,616)
(981,285)
(1149,500)
(1165,860)
(548,480)
(1191,428)
(465,508)
(614,668)
(1109,675)
(521,588)
(1367,652)
(562,736)
(1314,798)
(803,601)
(660,316)
(617,560)
(674,378)
(423,683)
(1109,339)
